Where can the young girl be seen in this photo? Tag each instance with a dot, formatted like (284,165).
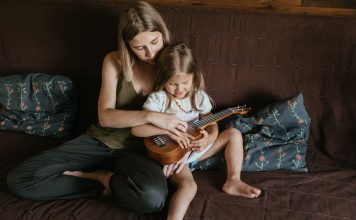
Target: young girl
(179,90)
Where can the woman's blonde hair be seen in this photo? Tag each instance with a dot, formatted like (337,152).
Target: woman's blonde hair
(138,17)
(174,59)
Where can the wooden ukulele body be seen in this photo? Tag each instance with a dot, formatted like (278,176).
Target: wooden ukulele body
(166,151)
(171,152)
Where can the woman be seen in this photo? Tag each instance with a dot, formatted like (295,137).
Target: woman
(135,181)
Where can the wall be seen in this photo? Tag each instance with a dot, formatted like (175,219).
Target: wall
(344,8)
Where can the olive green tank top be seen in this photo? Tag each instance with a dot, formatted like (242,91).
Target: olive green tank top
(119,138)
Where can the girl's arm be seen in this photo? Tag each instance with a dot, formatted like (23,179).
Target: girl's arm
(114,118)
(208,136)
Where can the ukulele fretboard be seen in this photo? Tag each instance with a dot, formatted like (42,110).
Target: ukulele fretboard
(160,140)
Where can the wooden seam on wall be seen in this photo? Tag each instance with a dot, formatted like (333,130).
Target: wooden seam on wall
(344,8)
(330,3)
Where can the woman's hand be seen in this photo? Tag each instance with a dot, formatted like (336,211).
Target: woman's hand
(182,139)
(168,122)
(170,169)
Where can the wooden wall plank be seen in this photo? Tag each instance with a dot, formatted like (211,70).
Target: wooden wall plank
(270,6)
(330,3)
(344,8)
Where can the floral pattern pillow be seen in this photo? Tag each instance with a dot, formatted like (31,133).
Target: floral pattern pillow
(37,104)
(275,138)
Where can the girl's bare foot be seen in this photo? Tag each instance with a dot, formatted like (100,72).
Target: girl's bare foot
(239,188)
(102,176)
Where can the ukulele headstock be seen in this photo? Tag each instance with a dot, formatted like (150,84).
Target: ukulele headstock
(241,110)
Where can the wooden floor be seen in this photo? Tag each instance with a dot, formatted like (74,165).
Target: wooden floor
(345,8)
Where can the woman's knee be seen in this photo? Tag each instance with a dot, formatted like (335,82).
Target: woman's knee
(153,198)
(154,193)
(16,182)
(12,179)
(138,195)
(142,188)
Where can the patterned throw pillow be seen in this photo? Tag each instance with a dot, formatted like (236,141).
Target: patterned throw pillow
(275,138)
(37,104)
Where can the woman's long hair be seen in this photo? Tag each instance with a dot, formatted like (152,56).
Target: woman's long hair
(137,18)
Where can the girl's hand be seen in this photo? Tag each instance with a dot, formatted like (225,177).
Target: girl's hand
(201,141)
(168,122)
(170,169)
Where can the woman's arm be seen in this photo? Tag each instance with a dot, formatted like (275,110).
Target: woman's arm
(108,115)
(148,130)
(114,118)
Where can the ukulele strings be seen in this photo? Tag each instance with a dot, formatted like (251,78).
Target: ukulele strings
(162,139)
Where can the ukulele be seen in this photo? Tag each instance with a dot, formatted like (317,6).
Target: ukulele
(165,150)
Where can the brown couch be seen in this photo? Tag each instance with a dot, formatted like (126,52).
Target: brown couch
(247,57)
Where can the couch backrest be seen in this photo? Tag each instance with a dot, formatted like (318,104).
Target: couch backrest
(247,58)
(59,38)
(257,58)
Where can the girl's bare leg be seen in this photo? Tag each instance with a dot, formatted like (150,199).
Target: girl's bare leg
(186,190)
(231,141)
(101,176)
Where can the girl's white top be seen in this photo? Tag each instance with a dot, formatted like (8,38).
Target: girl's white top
(158,101)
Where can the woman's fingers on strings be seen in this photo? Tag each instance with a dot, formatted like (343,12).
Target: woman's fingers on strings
(182,127)
(182,140)
(184,144)
(186,141)
(179,141)
(175,132)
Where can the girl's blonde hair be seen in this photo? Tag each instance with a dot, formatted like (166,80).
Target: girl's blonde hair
(174,59)
(138,17)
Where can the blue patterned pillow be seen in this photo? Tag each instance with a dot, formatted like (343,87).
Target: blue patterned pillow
(275,138)
(37,104)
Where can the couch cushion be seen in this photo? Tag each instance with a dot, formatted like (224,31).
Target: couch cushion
(275,138)
(37,104)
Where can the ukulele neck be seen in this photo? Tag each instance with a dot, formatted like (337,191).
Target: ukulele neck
(160,140)
(210,119)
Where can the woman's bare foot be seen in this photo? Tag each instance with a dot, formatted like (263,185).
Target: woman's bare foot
(102,176)
(239,188)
